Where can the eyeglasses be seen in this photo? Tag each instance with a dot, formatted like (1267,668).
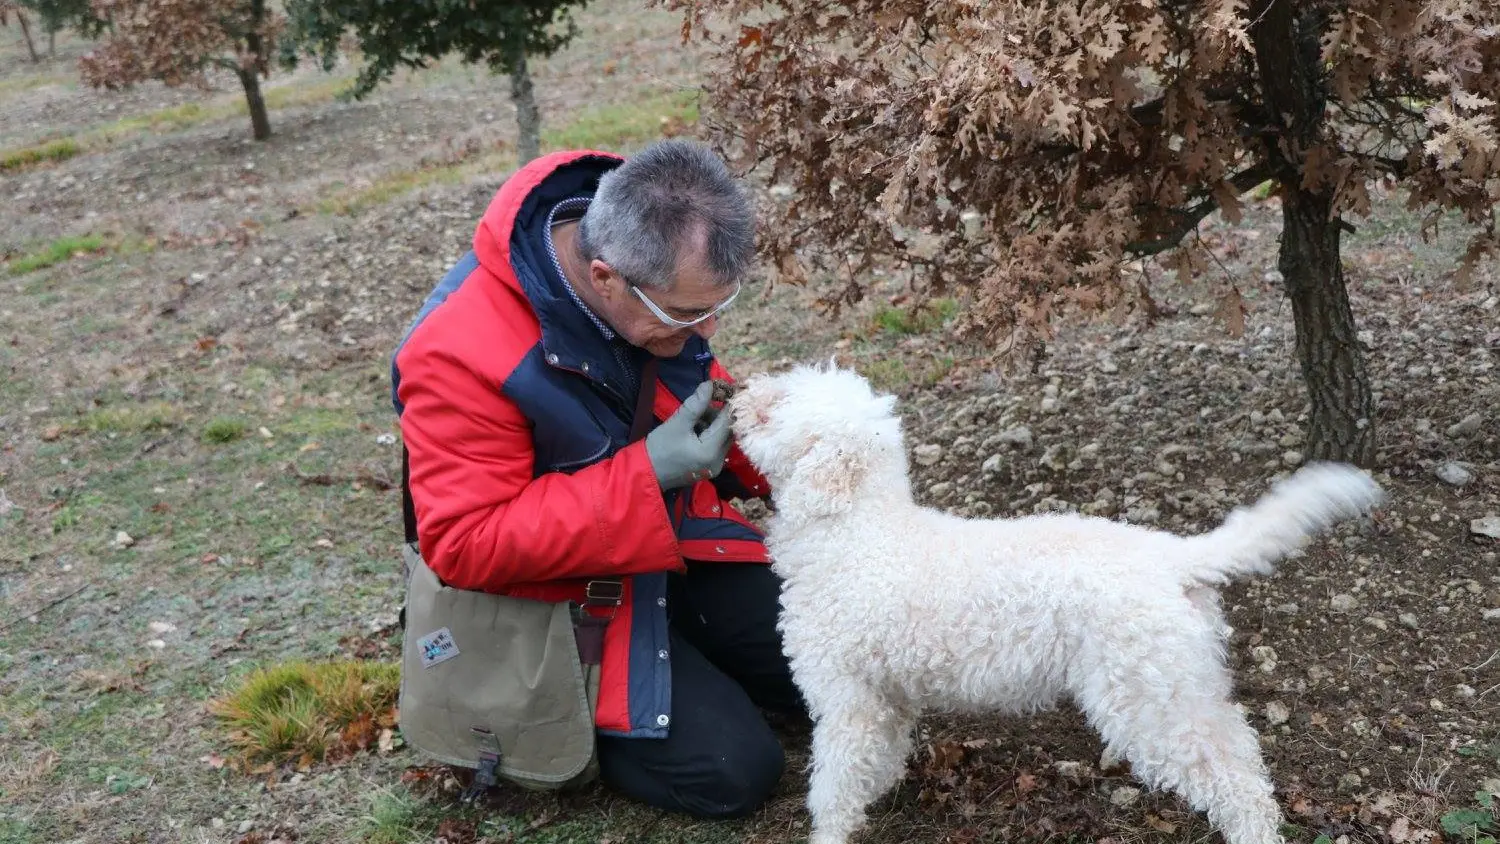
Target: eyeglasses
(673,321)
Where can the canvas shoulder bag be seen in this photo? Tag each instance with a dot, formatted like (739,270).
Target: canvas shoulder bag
(504,686)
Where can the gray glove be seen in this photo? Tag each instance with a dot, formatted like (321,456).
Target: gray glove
(679,453)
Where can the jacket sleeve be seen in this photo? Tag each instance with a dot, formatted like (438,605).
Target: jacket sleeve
(740,478)
(485,523)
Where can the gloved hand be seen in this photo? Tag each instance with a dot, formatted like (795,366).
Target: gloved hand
(679,454)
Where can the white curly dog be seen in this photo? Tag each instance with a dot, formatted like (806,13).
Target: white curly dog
(891,610)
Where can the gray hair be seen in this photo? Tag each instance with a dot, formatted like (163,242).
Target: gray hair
(645,211)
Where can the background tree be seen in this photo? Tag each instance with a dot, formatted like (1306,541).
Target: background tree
(501,33)
(178,41)
(1076,136)
(11,10)
(59,15)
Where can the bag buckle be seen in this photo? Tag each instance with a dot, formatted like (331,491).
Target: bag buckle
(601,593)
(485,775)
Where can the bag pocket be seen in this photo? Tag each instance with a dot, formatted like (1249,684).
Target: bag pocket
(495,680)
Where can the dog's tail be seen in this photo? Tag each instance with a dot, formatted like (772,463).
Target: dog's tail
(1254,537)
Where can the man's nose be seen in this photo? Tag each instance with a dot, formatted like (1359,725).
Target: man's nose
(707,328)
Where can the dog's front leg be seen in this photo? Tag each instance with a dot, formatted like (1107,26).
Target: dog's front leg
(860,745)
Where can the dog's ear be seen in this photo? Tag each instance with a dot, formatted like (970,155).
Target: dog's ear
(824,480)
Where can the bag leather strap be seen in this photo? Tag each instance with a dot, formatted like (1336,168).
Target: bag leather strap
(610,591)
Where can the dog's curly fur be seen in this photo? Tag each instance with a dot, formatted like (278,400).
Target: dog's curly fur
(891,610)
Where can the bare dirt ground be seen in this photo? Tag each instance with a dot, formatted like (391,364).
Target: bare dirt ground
(197,449)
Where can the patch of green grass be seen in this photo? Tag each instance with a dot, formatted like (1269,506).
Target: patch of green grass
(287,96)
(613,127)
(167,119)
(60,149)
(117,780)
(319,422)
(13,831)
(132,418)
(63,249)
(930,317)
(58,251)
(224,429)
(890,373)
(397,816)
(302,710)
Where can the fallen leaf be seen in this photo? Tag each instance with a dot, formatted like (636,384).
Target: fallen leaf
(1161,825)
(455,831)
(387,741)
(213,760)
(411,775)
(389,718)
(1026,782)
(945,754)
(360,732)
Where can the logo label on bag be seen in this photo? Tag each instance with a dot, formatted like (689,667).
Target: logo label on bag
(437,647)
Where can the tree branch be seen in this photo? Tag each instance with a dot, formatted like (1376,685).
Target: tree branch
(1189,218)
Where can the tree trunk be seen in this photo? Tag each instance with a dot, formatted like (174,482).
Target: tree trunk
(26,34)
(1287,50)
(1342,422)
(260,121)
(528,117)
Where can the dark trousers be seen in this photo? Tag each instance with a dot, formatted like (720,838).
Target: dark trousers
(720,759)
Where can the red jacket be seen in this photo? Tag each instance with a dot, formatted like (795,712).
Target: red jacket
(515,410)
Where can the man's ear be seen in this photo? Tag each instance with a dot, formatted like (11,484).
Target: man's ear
(605,282)
(824,480)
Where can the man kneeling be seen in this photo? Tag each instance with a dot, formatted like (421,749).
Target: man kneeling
(593,287)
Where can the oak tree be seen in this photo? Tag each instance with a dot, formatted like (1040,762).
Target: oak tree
(178,41)
(1031,150)
(503,34)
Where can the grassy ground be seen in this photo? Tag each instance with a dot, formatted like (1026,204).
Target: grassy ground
(197,455)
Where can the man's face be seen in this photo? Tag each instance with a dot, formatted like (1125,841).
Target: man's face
(692,294)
